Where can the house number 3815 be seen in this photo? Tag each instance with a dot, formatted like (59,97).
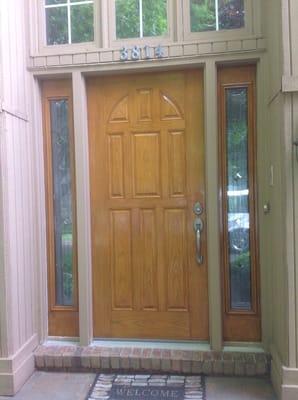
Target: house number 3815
(138,53)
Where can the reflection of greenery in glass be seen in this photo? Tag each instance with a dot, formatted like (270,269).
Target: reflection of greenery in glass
(56,23)
(237,139)
(49,2)
(231,14)
(127,19)
(154,17)
(62,202)
(241,261)
(202,15)
(82,23)
(238,204)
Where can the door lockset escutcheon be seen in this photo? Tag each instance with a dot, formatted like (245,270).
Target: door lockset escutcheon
(197,208)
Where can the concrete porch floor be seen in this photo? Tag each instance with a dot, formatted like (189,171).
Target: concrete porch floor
(74,386)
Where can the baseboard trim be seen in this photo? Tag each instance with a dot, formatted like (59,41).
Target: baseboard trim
(15,370)
(276,372)
(284,380)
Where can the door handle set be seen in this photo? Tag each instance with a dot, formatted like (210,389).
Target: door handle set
(198,228)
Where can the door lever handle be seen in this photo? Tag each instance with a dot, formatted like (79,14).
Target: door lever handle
(198,227)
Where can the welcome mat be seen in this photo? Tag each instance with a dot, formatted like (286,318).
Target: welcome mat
(147,387)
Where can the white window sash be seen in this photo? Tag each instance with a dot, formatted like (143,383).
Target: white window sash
(77,3)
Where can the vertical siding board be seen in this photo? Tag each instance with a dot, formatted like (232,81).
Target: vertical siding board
(11,237)
(18,202)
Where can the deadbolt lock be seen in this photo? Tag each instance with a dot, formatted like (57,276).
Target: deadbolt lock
(197,208)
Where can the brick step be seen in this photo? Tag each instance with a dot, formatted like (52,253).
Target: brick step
(135,359)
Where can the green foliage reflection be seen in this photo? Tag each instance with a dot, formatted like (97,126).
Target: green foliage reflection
(154,18)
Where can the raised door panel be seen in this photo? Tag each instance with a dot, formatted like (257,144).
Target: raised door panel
(144,105)
(176,259)
(146,164)
(116,166)
(177,164)
(148,261)
(121,259)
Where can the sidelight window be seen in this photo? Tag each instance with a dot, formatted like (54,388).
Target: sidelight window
(69,21)
(61,208)
(237,191)
(62,202)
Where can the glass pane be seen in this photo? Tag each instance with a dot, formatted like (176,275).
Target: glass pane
(82,22)
(62,197)
(155,17)
(238,198)
(231,14)
(56,24)
(127,19)
(50,2)
(202,15)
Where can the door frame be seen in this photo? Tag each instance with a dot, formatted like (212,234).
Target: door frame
(212,213)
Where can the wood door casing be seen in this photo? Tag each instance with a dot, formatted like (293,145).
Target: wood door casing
(147,171)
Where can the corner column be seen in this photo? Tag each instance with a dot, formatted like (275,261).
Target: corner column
(83,207)
(212,211)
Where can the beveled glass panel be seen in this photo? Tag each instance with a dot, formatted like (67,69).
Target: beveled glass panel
(202,15)
(238,198)
(155,17)
(56,25)
(62,201)
(127,19)
(231,14)
(82,23)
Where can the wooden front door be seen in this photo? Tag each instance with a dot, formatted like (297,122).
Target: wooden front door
(147,172)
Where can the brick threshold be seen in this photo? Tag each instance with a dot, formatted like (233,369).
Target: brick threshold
(150,360)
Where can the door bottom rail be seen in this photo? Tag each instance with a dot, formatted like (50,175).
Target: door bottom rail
(139,360)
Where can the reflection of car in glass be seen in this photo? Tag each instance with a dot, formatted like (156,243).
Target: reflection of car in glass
(238,221)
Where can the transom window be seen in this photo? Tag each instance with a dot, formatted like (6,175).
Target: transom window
(141,18)
(74,21)
(69,21)
(215,15)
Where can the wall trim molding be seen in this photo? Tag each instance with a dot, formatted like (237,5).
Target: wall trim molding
(15,370)
(174,51)
(290,83)
(284,379)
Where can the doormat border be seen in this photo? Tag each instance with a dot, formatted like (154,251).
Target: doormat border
(202,383)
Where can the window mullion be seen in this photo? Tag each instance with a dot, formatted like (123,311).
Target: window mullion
(216,15)
(69,21)
(141,18)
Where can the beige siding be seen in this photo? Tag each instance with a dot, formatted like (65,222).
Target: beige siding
(274,229)
(20,251)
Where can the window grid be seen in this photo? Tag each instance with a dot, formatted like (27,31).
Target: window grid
(69,4)
(141,18)
(216,15)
